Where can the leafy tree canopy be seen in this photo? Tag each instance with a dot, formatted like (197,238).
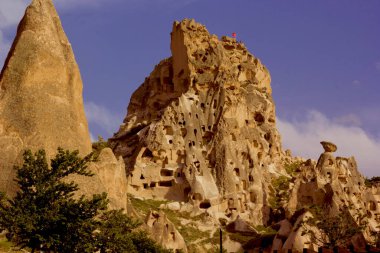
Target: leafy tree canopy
(44,215)
(334,230)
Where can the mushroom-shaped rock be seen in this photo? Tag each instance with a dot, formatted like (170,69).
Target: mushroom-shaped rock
(329,146)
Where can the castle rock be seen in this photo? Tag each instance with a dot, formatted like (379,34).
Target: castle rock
(201,128)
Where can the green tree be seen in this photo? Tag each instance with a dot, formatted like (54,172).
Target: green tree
(45,216)
(369,182)
(99,145)
(334,230)
(117,234)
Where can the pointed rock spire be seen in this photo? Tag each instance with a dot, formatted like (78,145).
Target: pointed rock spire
(41,104)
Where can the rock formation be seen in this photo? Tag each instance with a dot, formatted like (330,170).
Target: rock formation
(41,102)
(335,184)
(164,232)
(201,128)
(109,176)
(200,131)
(41,105)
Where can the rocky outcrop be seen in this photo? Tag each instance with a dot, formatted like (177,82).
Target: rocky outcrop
(199,131)
(164,232)
(41,103)
(201,128)
(111,172)
(109,176)
(334,184)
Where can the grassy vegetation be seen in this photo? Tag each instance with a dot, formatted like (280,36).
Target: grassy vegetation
(291,168)
(265,230)
(144,206)
(5,246)
(240,238)
(281,183)
(194,237)
(99,145)
(191,234)
(279,192)
(214,241)
(215,238)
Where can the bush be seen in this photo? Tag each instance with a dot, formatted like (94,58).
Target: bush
(291,168)
(279,192)
(369,182)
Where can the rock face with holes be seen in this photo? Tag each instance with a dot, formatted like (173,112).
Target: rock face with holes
(201,128)
(335,184)
(41,103)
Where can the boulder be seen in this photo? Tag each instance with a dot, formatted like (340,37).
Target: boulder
(174,206)
(329,146)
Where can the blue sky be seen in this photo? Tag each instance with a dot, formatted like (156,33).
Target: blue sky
(324,59)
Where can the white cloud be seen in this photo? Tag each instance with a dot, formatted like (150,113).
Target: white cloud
(303,137)
(348,120)
(93,139)
(102,117)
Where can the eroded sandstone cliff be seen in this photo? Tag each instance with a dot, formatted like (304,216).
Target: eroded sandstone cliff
(201,131)
(201,128)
